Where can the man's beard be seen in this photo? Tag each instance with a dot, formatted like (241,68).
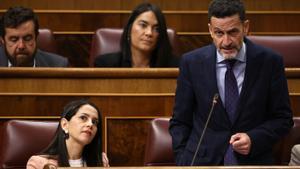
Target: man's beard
(232,55)
(23,61)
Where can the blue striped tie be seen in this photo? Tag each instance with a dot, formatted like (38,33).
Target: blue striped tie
(231,99)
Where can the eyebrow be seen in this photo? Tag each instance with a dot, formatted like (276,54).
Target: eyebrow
(88,115)
(217,28)
(144,21)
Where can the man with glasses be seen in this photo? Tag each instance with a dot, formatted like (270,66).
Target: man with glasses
(19,30)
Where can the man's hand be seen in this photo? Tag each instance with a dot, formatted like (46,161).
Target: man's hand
(241,143)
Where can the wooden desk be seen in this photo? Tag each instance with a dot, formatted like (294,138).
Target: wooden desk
(44,91)
(117,91)
(128,98)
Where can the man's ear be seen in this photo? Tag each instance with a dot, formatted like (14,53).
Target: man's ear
(210,29)
(64,124)
(1,40)
(246,26)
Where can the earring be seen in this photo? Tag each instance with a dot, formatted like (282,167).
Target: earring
(66,134)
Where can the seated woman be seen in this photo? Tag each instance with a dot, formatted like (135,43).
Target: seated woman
(77,142)
(144,42)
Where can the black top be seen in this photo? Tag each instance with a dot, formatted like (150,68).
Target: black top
(115,60)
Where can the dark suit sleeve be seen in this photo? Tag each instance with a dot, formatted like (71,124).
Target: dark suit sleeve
(182,120)
(279,115)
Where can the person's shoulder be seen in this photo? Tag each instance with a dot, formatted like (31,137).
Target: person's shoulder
(109,60)
(3,57)
(258,49)
(263,53)
(52,59)
(51,55)
(39,161)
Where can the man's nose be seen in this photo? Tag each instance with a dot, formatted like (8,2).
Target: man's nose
(21,44)
(227,40)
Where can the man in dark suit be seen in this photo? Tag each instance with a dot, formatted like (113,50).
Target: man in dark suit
(253,110)
(19,31)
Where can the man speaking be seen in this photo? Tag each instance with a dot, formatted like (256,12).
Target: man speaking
(253,110)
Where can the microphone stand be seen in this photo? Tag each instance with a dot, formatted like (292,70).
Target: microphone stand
(215,98)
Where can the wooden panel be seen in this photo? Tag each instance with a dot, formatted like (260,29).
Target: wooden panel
(295,100)
(274,22)
(43,105)
(112,88)
(44,91)
(181,22)
(128,135)
(88,80)
(130,4)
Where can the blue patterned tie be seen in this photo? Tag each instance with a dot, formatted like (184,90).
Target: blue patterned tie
(231,99)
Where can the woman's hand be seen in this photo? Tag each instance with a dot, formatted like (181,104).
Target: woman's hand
(105,160)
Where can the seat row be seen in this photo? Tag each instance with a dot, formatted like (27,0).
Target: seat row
(107,40)
(23,138)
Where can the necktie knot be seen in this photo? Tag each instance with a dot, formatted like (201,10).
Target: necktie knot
(230,63)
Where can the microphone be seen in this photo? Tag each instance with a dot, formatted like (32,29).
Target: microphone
(214,102)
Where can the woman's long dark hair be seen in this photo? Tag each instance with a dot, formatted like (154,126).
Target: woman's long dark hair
(92,153)
(162,53)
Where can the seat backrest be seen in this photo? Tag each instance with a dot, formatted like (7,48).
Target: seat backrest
(107,40)
(20,139)
(45,41)
(158,150)
(287,46)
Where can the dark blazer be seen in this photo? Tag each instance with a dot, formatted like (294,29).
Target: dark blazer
(263,110)
(42,58)
(116,60)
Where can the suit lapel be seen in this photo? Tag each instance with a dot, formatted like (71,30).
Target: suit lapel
(253,66)
(209,71)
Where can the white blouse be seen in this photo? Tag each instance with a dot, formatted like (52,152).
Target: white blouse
(76,163)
